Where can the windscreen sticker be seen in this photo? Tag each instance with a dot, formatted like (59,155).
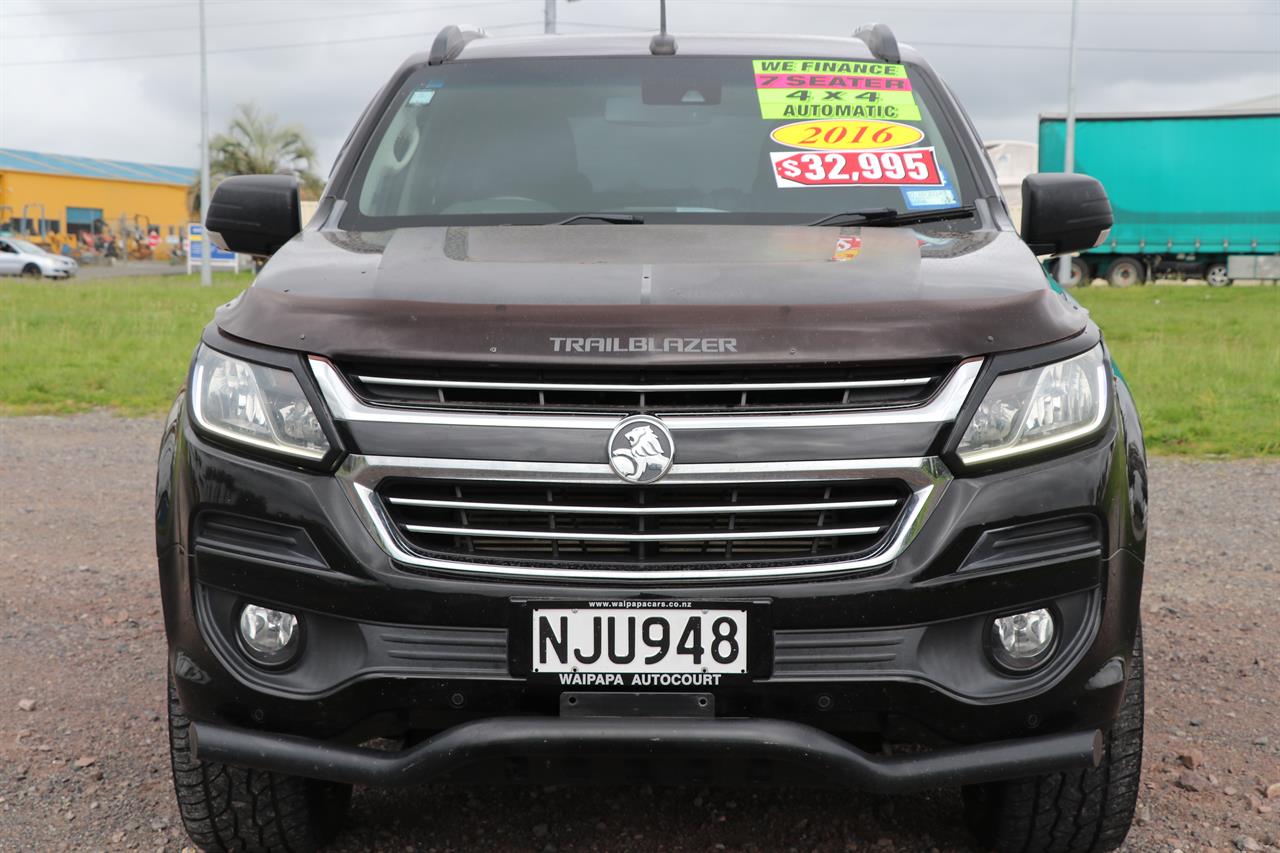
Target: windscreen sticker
(841,67)
(833,88)
(840,135)
(421,97)
(910,167)
(847,247)
(832,81)
(836,103)
(931,199)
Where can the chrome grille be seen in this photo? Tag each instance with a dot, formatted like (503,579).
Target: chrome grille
(370,482)
(566,524)
(648,390)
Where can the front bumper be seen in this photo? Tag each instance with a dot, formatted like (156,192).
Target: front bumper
(807,749)
(930,606)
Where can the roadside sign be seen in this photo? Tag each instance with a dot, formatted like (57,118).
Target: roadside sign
(219,258)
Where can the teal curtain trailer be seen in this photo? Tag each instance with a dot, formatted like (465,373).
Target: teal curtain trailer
(1192,192)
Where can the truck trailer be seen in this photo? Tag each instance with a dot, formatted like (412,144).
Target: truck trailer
(1195,194)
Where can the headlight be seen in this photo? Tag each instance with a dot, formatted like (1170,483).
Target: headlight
(1032,409)
(254,404)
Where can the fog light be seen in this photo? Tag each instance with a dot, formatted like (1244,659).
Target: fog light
(268,636)
(1023,641)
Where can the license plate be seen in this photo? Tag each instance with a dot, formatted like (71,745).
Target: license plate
(682,645)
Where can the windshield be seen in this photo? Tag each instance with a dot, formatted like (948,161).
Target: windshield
(662,139)
(27,248)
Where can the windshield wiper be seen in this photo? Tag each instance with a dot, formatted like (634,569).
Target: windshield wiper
(612,218)
(889,216)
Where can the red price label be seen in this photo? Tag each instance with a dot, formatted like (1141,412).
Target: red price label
(912,167)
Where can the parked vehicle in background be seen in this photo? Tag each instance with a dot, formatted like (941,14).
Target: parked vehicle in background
(21,257)
(1194,193)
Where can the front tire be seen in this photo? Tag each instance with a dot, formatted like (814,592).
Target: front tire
(234,808)
(31,271)
(1078,811)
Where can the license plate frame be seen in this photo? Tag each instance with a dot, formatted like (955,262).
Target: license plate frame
(758,656)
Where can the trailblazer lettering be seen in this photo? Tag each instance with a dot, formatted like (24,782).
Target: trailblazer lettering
(694,345)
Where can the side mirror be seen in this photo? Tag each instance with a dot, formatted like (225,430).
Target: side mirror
(254,214)
(1064,213)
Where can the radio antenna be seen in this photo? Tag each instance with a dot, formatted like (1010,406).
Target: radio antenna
(662,44)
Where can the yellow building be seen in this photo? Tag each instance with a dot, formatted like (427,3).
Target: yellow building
(48,194)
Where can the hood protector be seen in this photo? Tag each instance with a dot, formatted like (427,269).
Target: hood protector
(652,294)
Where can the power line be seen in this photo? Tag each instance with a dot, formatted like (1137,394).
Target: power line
(1010,9)
(97,9)
(242,24)
(428,35)
(1275,51)
(175,54)
(94,10)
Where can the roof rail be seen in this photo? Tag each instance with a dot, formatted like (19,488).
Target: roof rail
(880,39)
(450,41)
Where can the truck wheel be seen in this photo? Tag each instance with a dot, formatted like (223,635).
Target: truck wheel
(1216,275)
(1126,271)
(233,808)
(1081,274)
(1079,811)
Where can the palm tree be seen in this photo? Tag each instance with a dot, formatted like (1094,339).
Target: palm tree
(255,143)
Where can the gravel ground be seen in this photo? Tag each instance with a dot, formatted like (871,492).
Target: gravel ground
(84,766)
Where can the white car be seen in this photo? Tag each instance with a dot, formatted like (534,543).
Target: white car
(18,257)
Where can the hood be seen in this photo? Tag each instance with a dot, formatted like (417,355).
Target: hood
(652,294)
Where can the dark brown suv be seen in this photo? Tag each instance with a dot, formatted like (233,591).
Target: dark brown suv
(684,410)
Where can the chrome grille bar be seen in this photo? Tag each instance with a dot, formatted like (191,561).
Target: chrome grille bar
(583,536)
(562,509)
(642,389)
(346,406)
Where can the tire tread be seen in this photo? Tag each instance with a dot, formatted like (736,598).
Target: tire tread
(1075,811)
(227,808)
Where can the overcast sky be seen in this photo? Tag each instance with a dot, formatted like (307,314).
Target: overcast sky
(317,62)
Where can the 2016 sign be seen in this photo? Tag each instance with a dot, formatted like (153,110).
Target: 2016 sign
(911,167)
(839,135)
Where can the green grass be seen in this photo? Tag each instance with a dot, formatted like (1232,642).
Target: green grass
(1203,363)
(121,344)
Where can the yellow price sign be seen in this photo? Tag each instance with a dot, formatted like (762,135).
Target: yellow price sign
(842,135)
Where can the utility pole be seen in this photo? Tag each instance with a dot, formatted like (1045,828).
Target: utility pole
(206,264)
(549,17)
(1069,154)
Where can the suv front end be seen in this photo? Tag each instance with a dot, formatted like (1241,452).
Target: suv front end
(568,532)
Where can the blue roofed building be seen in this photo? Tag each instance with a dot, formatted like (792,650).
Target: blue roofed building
(44,194)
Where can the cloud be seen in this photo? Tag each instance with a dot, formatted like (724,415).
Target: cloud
(148,109)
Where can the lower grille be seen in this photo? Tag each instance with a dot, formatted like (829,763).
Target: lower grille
(812,655)
(470,652)
(620,524)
